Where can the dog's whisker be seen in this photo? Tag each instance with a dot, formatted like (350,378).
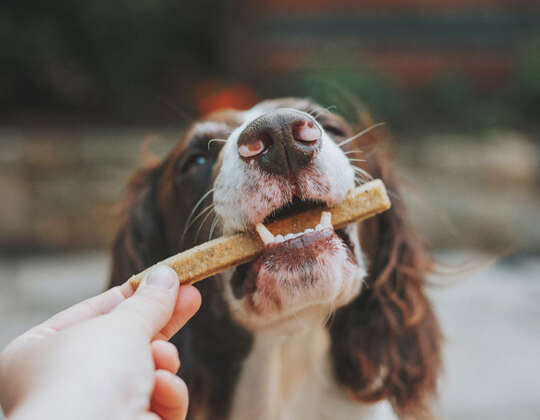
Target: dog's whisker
(331,108)
(210,191)
(217,141)
(360,134)
(359,170)
(212,227)
(202,212)
(362,180)
(328,109)
(357,160)
(202,224)
(350,152)
(362,173)
(393,194)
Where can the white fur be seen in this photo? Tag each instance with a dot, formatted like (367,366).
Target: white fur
(288,376)
(241,188)
(288,373)
(244,195)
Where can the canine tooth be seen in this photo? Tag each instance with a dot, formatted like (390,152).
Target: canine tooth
(280,238)
(264,233)
(319,227)
(326,219)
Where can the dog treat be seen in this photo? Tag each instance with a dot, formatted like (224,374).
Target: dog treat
(220,254)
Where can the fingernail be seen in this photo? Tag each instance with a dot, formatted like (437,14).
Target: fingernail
(162,276)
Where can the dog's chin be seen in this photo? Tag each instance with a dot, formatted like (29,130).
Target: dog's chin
(307,277)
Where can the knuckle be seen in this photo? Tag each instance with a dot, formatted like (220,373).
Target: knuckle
(154,295)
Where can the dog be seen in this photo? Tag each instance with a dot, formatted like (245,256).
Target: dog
(325,324)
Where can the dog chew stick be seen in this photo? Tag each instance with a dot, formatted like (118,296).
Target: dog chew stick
(220,254)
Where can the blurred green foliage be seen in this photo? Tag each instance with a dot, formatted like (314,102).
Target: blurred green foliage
(347,88)
(453,99)
(526,87)
(115,57)
(100,52)
(450,100)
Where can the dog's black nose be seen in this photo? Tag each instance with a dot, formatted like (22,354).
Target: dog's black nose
(282,142)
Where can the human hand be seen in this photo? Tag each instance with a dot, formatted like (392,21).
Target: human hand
(106,357)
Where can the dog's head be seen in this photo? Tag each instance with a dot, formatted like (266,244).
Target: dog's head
(237,169)
(280,160)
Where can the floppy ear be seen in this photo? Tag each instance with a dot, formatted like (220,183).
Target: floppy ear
(140,241)
(385,344)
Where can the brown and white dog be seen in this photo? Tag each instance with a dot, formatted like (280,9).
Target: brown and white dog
(325,324)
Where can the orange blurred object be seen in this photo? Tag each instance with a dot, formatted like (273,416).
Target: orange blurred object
(210,96)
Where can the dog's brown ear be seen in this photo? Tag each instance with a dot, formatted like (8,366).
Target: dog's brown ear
(140,241)
(385,344)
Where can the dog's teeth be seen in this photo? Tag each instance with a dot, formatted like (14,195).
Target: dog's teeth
(326,219)
(289,236)
(264,233)
(319,227)
(279,238)
(309,230)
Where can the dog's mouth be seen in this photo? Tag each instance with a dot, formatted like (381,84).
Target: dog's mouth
(295,206)
(299,240)
(299,248)
(295,258)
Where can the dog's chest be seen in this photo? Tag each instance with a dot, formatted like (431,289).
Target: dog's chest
(290,377)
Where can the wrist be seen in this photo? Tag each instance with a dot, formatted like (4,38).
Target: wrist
(57,404)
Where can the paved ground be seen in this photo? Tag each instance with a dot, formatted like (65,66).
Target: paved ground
(491,319)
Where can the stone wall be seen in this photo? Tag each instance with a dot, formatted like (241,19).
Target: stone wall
(59,188)
(466,191)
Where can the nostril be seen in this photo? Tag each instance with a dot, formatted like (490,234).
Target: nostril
(306,132)
(254,146)
(251,149)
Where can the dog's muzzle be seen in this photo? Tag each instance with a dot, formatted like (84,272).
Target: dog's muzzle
(281,142)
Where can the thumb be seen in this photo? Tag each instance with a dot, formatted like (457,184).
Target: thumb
(152,305)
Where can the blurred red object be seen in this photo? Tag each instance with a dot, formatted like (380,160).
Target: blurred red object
(318,6)
(211,96)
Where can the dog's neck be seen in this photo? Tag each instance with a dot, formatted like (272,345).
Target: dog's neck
(280,364)
(288,375)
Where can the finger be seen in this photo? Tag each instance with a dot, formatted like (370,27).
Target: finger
(165,356)
(187,304)
(170,397)
(151,306)
(89,308)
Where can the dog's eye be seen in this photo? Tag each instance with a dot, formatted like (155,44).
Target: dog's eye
(193,161)
(333,130)
(200,160)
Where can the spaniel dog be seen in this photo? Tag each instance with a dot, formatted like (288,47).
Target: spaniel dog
(325,324)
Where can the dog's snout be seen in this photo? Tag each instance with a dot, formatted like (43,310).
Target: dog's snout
(282,142)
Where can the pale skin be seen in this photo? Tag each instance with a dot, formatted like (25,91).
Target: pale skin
(105,358)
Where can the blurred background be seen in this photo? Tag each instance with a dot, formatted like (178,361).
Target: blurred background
(83,85)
